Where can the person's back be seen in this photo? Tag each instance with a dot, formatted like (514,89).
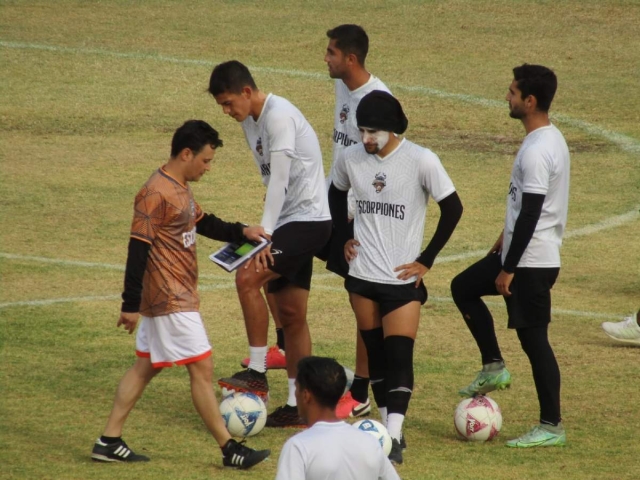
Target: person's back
(334,450)
(329,449)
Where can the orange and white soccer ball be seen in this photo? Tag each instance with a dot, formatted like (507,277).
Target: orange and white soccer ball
(478,419)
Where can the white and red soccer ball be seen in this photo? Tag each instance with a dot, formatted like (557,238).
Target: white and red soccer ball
(478,419)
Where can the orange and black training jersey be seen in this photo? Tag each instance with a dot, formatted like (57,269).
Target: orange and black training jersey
(165,216)
(162,268)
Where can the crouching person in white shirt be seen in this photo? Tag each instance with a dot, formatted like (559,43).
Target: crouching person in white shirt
(329,448)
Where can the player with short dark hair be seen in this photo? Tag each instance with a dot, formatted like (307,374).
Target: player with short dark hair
(329,448)
(231,77)
(296,219)
(350,39)
(160,284)
(392,180)
(524,262)
(324,378)
(345,57)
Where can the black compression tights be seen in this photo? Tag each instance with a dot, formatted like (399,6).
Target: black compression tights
(546,373)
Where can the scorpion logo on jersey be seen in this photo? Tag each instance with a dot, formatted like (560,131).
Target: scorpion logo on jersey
(344,113)
(259,146)
(380,181)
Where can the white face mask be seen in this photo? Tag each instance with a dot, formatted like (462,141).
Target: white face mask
(374,139)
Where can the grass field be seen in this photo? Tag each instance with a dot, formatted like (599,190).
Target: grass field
(91,92)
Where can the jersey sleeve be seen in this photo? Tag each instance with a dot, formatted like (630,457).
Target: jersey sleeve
(536,171)
(148,214)
(434,177)
(387,472)
(199,212)
(291,462)
(341,176)
(281,129)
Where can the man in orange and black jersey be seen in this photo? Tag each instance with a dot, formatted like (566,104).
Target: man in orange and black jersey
(161,285)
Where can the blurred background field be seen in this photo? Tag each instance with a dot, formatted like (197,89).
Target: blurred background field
(91,92)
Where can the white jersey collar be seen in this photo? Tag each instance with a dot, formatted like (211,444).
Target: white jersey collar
(371,80)
(264,107)
(392,153)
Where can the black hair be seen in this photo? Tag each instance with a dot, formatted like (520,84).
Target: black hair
(324,377)
(351,39)
(538,81)
(230,77)
(194,135)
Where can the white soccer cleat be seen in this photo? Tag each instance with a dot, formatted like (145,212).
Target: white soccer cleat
(626,331)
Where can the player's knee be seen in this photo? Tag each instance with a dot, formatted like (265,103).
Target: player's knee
(246,280)
(457,288)
(291,319)
(201,370)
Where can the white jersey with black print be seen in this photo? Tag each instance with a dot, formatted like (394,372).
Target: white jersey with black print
(391,195)
(281,127)
(345,127)
(542,167)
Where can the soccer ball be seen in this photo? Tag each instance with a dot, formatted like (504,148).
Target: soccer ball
(377,430)
(244,414)
(478,419)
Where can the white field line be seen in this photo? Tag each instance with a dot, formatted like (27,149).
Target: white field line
(606,224)
(231,286)
(52,301)
(626,143)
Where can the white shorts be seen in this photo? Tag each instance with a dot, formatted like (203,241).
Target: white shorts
(178,338)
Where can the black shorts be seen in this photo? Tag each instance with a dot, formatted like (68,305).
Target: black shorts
(530,302)
(389,297)
(293,247)
(333,254)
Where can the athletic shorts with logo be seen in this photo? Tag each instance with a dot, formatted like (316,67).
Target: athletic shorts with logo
(388,297)
(177,338)
(293,247)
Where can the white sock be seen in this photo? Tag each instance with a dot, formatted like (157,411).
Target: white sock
(291,401)
(258,358)
(394,425)
(383,415)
